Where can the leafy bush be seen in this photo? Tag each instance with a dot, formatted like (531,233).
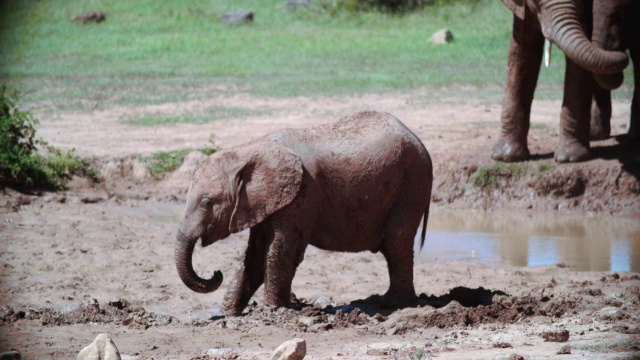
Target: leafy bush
(21,166)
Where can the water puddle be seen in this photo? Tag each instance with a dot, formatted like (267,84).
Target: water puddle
(532,239)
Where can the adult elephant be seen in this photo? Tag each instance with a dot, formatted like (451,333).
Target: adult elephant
(563,22)
(616,27)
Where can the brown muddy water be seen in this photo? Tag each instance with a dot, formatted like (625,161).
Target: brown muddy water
(587,243)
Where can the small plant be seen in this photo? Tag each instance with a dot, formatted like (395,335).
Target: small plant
(21,166)
(487,176)
(421,354)
(163,162)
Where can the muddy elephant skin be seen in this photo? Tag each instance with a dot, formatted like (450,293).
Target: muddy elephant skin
(565,23)
(616,27)
(360,184)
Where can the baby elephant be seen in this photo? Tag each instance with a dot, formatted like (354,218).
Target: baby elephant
(362,183)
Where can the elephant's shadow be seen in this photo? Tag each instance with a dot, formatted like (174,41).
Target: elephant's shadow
(374,306)
(626,151)
(467,297)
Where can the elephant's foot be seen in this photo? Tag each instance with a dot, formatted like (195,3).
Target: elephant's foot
(571,151)
(508,150)
(232,309)
(396,299)
(600,128)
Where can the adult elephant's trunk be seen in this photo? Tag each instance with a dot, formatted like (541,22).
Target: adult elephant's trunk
(184,254)
(560,23)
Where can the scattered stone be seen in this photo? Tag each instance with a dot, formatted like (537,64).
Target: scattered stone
(237,17)
(294,349)
(307,320)
(443,36)
(565,350)
(502,345)
(102,348)
(516,357)
(556,336)
(94,16)
(323,301)
(90,199)
(222,354)
(10,355)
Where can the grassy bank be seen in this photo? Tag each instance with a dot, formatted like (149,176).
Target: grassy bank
(155,51)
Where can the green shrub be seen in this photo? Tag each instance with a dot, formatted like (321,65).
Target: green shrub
(21,166)
(487,176)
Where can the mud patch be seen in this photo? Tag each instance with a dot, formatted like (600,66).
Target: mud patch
(118,312)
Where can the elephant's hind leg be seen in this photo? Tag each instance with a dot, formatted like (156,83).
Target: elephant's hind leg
(600,114)
(400,265)
(397,249)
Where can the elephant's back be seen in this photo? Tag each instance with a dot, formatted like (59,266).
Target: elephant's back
(368,137)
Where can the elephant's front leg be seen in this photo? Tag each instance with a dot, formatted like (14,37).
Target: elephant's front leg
(285,254)
(250,275)
(523,66)
(575,115)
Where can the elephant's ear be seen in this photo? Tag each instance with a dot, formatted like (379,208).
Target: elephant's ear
(517,7)
(269,179)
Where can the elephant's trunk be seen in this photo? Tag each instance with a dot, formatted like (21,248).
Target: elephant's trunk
(184,254)
(560,23)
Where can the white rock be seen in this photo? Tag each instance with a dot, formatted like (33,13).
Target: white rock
(102,348)
(294,349)
(443,36)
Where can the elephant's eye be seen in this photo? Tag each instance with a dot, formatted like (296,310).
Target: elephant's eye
(205,203)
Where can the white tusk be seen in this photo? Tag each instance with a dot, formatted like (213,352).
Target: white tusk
(547,52)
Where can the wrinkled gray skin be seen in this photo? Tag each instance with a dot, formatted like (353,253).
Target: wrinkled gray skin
(616,27)
(566,24)
(360,184)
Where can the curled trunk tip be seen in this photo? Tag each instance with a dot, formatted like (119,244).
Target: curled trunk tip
(560,23)
(184,255)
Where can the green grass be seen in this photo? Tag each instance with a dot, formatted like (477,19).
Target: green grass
(155,51)
(486,177)
(213,113)
(163,162)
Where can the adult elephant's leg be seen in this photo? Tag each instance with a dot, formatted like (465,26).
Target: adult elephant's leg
(251,273)
(575,115)
(523,66)
(600,114)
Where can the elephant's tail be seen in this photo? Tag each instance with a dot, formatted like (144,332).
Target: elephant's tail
(424,226)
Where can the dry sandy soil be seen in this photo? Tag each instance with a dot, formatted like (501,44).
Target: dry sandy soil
(99,257)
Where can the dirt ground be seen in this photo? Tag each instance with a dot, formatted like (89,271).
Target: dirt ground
(98,258)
